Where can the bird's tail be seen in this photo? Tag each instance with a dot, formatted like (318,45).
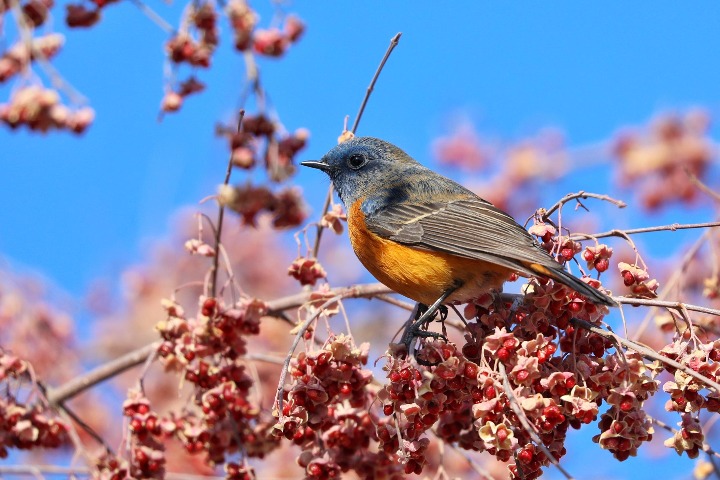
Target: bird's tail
(561,275)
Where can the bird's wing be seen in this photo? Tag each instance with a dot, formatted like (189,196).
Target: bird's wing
(471,228)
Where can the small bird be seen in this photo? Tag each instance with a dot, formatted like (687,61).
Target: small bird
(427,237)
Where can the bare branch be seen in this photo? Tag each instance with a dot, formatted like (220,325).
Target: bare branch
(221,215)
(328,198)
(56,396)
(661,228)
(662,303)
(40,470)
(709,191)
(583,195)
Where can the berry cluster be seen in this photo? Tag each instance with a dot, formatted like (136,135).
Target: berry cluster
(711,287)
(307,271)
(78,15)
(468,400)
(334,218)
(625,384)
(272,42)
(638,279)
(173,99)
(195,43)
(259,138)
(25,426)
(147,453)
(598,257)
(660,159)
(287,206)
(40,109)
(198,36)
(326,411)
(111,467)
(19,56)
(209,351)
(35,11)
(552,243)
(275,42)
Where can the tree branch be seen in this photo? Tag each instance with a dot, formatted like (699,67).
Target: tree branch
(221,214)
(328,198)
(56,396)
(583,195)
(662,228)
(662,303)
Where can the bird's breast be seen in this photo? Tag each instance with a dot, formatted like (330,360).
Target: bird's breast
(421,275)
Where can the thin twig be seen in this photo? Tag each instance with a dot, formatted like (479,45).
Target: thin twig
(645,351)
(395,301)
(661,228)
(261,357)
(484,474)
(515,406)
(698,183)
(328,198)
(154,16)
(662,303)
(705,447)
(670,284)
(393,43)
(583,195)
(221,215)
(88,429)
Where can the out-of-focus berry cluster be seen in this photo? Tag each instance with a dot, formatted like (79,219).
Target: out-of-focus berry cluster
(326,411)
(40,109)
(19,56)
(307,271)
(25,424)
(259,138)
(525,165)
(198,36)
(209,351)
(85,14)
(221,418)
(656,163)
(261,141)
(286,206)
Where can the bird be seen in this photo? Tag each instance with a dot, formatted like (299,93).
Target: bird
(429,238)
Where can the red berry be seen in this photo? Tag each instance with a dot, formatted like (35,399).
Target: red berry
(602,264)
(471,370)
(503,354)
(567,253)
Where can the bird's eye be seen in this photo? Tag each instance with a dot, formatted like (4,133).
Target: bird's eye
(356,161)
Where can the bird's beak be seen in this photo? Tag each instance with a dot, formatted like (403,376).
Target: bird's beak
(315,164)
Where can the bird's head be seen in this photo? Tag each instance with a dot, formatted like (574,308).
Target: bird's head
(358,167)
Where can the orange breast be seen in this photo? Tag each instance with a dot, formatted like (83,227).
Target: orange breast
(419,274)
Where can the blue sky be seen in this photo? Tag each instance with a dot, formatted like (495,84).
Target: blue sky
(79,208)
